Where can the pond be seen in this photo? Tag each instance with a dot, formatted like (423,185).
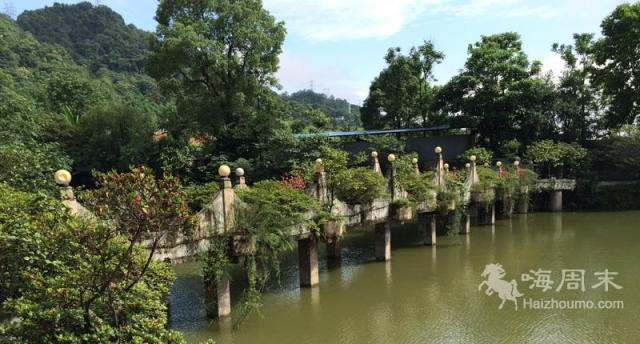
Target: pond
(430,294)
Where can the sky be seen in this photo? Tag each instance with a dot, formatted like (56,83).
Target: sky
(339,45)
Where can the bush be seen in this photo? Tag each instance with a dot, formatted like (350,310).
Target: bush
(482,154)
(76,282)
(562,157)
(199,195)
(359,185)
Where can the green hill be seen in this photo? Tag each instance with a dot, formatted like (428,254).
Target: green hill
(94,36)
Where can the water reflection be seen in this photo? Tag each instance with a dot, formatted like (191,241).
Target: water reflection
(429,293)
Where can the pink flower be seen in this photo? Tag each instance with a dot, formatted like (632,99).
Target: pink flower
(137,198)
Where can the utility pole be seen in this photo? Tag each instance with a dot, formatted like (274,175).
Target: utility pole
(311,85)
(97,3)
(9,10)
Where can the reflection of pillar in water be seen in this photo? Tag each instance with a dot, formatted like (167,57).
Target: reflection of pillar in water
(387,273)
(556,222)
(225,325)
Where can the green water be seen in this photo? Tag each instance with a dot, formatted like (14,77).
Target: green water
(430,294)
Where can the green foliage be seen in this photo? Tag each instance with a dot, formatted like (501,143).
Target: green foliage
(418,186)
(114,137)
(618,54)
(340,113)
(359,185)
(218,58)
(589,196)
(77,282)
(199,195)
(489,179)
(511,149)
(500,93)
(70,90)
(579,102)
(402,94)
(385,145)
(483,155)
(95,36)
(554,155)
(272,211)
(623,153)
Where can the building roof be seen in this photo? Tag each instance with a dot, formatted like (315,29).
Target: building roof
(370,132)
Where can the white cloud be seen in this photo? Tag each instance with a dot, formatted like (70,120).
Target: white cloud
(554,64)
(347,19)
(297,71)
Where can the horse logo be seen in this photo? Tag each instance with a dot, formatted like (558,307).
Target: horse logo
(506,290)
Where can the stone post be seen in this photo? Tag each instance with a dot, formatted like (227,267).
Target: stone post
(439,178)
(241,181)
(391,176)
(308,262)
(416,168)
(319,179)
(375,163)
(228,197)
(555,200)
(383,241)
(427,225)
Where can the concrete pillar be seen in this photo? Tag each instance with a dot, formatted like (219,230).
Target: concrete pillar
(555,200)
(221,306)
(308,262)
(427,225)
(383,241)
(522,204)
(465,224)
(333,249)
(482,214)
(490,216)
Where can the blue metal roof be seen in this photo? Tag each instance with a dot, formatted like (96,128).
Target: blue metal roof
(370,132)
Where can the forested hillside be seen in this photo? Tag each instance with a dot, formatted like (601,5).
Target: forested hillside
(94,36)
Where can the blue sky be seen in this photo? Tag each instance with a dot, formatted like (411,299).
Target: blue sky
(339,44)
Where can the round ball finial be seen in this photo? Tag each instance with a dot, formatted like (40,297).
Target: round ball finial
(438,150)
(467,165)
(486,164)
(374,154)
(516,163)
(472,158)
(414,160)
(391,158)
(239,172)
(499,163)
(224,171)
(318,161)
(62,177)
(446,166)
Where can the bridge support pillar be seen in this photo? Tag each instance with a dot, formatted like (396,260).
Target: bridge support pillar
(482,214)
(427,225)
(333,249)
(218,297)
(383,241)
(555,200)
(465,223)
(308,262)
(522,204)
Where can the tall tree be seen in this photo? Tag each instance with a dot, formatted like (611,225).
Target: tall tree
(578,100)
(500,93)
(400,96)
(217,57)
(618,54)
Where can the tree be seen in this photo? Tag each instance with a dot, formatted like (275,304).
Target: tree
(618,55)
(578,100)
(216,57)
(500,93)
(402,95)
(79,281)
(72,91)
(114,137)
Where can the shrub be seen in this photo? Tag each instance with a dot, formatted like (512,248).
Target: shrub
(482,154)
(359,185)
